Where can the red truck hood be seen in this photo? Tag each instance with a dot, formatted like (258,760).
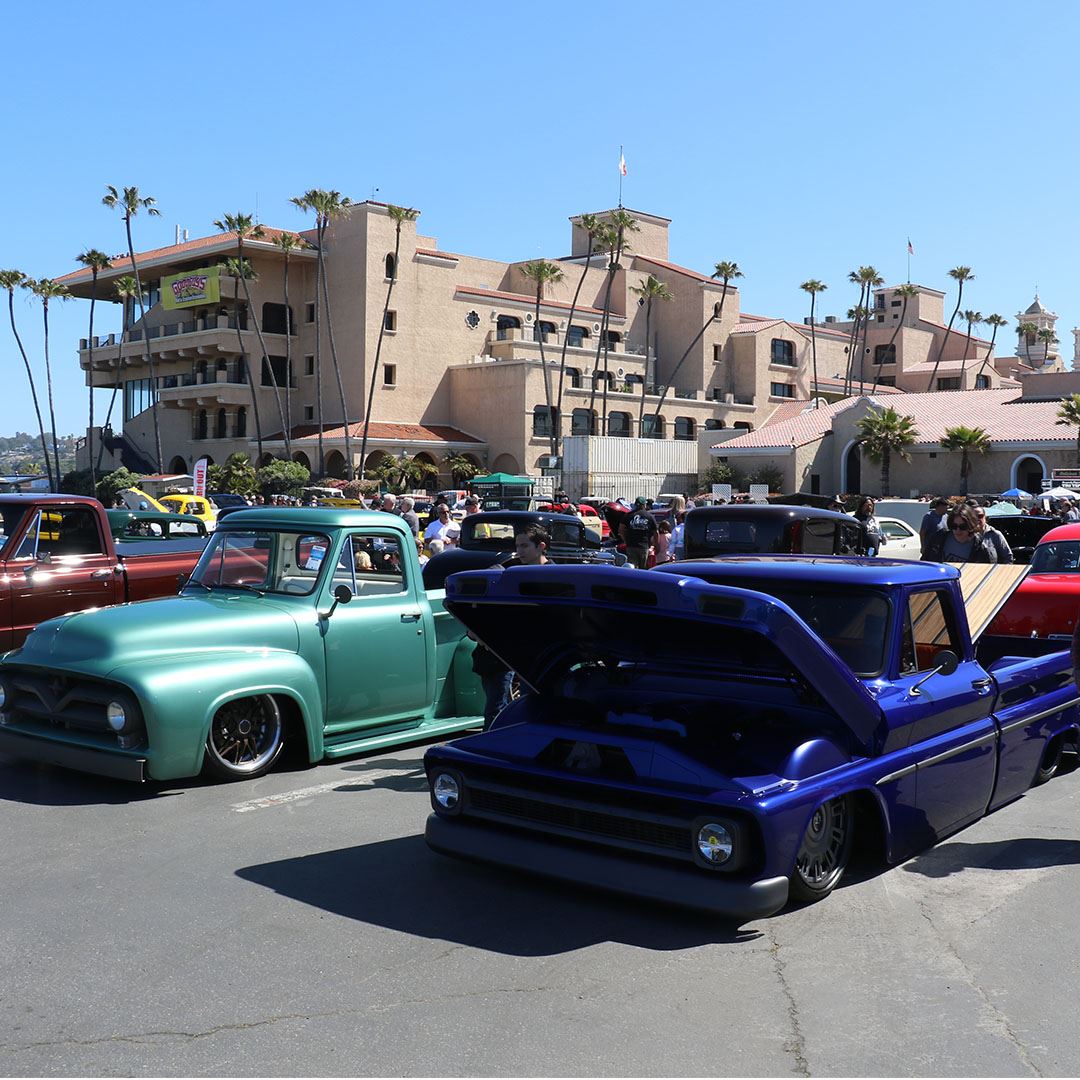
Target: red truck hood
(1044,605)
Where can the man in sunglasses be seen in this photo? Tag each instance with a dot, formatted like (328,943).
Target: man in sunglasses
(962,541)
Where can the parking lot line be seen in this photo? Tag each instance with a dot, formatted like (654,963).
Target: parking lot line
(364,779)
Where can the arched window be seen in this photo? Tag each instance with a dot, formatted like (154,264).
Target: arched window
(619,424)
(685,429)
(712,424)
(743,425)
(652,426)
(391,267)
(783,352)
(504,324)
(241,422)
(200,371)
(545,328)
(200,424)
(573,376)
(544,420)
(576,335)
(982,382)
(583,422)
(221,424)
(613,338)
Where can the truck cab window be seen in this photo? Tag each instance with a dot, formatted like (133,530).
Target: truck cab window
(371,565)
(929,627)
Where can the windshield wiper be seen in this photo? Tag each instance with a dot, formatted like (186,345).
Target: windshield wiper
(201,584)
(243,587)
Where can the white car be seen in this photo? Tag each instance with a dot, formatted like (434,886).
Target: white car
(902,540)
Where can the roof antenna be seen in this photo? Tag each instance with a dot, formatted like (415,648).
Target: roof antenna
(374,192)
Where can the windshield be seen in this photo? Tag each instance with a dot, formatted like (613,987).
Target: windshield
(262,560)
(11,517)
(499,535)
(1057,557)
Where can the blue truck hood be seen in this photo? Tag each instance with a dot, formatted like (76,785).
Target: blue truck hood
(154,629)
(541,621)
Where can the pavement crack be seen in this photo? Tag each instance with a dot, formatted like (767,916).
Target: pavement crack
(795,1045)
(997,1018)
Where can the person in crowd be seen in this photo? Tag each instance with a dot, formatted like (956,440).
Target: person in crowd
(389,503)
(962,542)
(423,559)
(663,542)
(638,532)
(530,549)
(875,538)
(435,547)
(408,515)
(472,505)
(678,542)
(443,527)
(1069,511)
(995,536)
(934,521)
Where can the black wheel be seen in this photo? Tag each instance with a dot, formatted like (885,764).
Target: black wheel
(1051,761)
(246,738)
(824,852)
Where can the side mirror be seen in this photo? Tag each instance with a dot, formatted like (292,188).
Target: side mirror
(181,581)
(342,595)
(945,663)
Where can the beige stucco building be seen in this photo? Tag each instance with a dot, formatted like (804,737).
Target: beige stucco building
(460,369)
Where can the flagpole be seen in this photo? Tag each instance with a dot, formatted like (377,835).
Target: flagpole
(620,174)
(909,260)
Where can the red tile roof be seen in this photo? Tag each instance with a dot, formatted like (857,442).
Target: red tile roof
(685,271)
(432,254)
(121,264)
(1001,413)
(957,331)
(435,433)
(495,294)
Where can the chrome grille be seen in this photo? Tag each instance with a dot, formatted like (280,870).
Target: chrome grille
(71,702)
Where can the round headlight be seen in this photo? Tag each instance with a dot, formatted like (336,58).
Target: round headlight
(446,790)
(114,713)
(3,695)
(715,843)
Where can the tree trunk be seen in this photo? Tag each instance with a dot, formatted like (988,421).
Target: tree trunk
(562,360)
(945,339)
(963,472)
(319,271)
(717,316)
(116,386)
(146,342)
(48,383)
(337,376)
(889,347)
(538,331)
(885,463)
(852,341)
(288,361)
(645,380)
(813,350)
(963,359)
(33,392)
(601,348)
(90,429)
(378,351)
(251,387)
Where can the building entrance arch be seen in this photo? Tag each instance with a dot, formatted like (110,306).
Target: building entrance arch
(851,469)
(1028,472)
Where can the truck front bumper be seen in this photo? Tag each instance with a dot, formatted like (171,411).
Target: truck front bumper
(72,756)
(702,890)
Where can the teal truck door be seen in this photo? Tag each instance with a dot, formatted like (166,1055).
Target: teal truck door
(377,667)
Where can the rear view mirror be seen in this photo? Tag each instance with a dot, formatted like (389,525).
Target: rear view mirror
(343,595)
(946,662)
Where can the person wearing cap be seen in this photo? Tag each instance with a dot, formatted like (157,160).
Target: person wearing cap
(933,522)
(638,532)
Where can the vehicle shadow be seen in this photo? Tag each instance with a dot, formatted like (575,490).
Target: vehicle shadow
(1023,853)
(399,884)
(52,785)
(412,778)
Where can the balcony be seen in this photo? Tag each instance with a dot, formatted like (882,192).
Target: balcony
(518,344)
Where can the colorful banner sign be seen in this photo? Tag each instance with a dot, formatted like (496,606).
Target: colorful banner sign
(199,475)
(191,288)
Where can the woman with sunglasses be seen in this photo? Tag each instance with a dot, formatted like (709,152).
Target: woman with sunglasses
(962,541)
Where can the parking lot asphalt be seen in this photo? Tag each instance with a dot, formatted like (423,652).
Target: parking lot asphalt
(297,924)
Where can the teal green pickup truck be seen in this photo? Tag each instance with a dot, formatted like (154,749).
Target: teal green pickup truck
(300,625)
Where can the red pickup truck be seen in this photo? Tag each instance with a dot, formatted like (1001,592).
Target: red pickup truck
(57,555)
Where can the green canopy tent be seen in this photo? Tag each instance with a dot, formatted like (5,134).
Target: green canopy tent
(503,491)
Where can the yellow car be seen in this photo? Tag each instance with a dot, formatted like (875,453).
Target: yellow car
(195,505)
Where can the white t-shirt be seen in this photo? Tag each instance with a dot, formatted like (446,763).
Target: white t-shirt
(448,533)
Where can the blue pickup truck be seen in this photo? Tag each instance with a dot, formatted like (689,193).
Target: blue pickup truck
(717,734)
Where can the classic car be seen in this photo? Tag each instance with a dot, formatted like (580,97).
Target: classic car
(297,625)
(717,734)
(901,540)
(1048,600)
(488,538)
(137,525)
(193,506)
(747,528)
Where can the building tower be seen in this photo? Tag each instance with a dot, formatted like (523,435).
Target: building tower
(1029,348)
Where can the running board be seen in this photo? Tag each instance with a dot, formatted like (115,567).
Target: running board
(428,730)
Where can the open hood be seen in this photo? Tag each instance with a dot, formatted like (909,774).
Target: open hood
(541,621)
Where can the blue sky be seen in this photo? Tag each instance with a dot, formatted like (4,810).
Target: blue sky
(800,140)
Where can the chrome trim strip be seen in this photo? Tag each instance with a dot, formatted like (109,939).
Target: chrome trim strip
(946,754)
(1024,721)
(895,775)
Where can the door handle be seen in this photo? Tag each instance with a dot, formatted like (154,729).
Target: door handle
(101,575)
(980,684)
(410,616)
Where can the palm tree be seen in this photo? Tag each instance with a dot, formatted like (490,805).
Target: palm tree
(1049,339)
(543,274)
(461,468)
(726,271)
(131,202)
(10,280)
(126,289)
(996,321)
(872,280)
(959,274)
(287,243)
(1027,330)
(972,318)
(884,432)
(606,239)
(591,224)
(96,261)
(907,292)
(245,227)
(650,289)
(414,472)
(45,289)
(398,215)
(813,287)
(968,441)
(1069,414)
(858,277)
(240,270)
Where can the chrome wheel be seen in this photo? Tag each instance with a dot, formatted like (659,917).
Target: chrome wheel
(824,852)
(246,737)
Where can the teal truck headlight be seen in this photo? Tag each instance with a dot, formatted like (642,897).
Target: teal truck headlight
(115,714)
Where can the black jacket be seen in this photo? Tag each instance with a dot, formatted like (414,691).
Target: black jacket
(982,550)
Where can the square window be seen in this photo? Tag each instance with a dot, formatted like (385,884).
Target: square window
(309,412)
(309,365)
(309,312)
(881,318)
(389,374)
(717,353)
(390,322)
